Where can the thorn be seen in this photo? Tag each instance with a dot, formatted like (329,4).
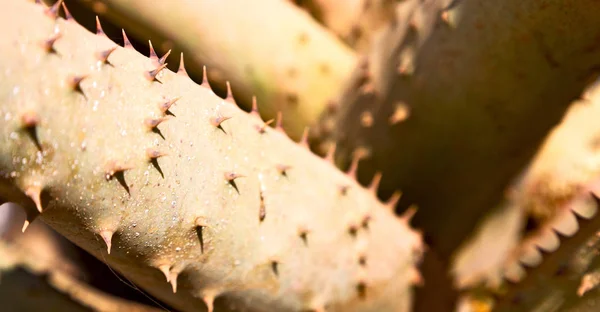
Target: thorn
(153,55)
(230,177)
(102,56)
(229,96)
(68,15)
(35,192)
(330,157)
(415,277)
(303,233)
(353,229)
(262,211)
(174,282)
(30,120)
(151,75)
(74,82)
(445,17)
(209,301)
(163,59)
(356,157)
(99,31)
(113,168)
(275,267)
(181,70)
(343,189)
(25,225)
(409,213)
(361,289)
(365,221)
(283,169)
(205,79)
(304,140)
(48,44)
(107,237)
(165,269)
(366,119)
(254,111)
(362,259)
(374,186)
(401,113)
(393,200)
(154,153)
(52,11)
(126,43)
(216,121)
(201,222)
(152,123)
(164,106)
(263,128)
(279,122)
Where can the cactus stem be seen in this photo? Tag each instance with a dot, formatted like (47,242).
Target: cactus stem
(52,11)
(181,70)
(48,44)
(151,75)
(126,43)
(107,238)
(102,56)
(35,192)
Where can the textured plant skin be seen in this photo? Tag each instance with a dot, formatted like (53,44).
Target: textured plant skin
(269,49)
(226,207)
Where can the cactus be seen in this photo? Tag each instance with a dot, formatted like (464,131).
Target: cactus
(286,59)
(181,191)
(455,99)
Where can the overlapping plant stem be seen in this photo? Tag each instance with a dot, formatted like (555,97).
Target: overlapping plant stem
(270,49)
(182,192)
(456,98)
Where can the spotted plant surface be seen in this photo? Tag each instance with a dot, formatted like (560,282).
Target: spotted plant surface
(181,191)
